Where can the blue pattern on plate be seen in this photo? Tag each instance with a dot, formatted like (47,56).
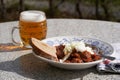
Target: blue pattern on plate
(95,43)
(64,40)
(51,43)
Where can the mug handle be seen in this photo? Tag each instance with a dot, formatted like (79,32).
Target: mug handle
(13,40)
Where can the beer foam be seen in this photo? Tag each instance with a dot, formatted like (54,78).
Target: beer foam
(32,16)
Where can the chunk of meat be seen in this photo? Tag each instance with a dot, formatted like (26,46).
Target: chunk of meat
(76,60)
(75,55)
(86,56)
(67,61)
(96,57)
(60,54)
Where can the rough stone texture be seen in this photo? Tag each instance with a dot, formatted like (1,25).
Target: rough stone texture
(22,65)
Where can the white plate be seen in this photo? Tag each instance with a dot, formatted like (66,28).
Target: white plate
(105,47)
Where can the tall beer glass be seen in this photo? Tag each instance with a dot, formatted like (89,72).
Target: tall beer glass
(31,24)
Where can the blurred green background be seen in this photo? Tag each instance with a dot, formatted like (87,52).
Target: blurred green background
(108,10)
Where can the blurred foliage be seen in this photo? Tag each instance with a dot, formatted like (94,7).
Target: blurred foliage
(85,6)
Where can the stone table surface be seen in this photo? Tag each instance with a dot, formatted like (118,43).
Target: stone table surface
(22,65)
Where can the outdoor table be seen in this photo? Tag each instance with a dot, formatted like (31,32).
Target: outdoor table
(22,65)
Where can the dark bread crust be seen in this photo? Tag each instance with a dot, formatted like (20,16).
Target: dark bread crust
(42,53)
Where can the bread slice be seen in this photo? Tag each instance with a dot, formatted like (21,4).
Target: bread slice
(43,49)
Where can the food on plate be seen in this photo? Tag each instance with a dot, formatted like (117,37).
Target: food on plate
(43,49)
(74,52)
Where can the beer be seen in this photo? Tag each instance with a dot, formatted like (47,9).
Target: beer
(32,24)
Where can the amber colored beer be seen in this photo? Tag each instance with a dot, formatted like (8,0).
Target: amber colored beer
(31,27)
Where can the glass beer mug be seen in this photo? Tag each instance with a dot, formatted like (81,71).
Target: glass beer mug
(31,24)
